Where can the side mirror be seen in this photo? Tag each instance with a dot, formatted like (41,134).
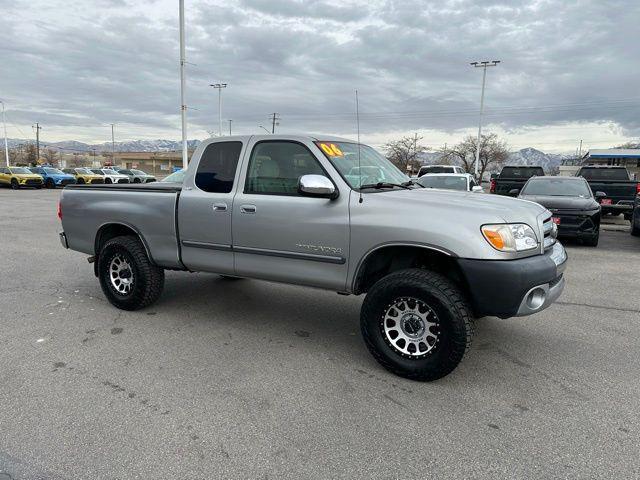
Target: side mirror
(317,186)
(514,192)
(600,194)
(477,189)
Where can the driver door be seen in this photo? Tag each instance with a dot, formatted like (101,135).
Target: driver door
(280,235)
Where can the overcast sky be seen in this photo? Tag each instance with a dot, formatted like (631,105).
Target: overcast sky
(570,69)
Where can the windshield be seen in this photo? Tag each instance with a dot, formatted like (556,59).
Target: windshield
(53,171)
(557,187)
(20,171)
(604,173)
(84,171)
(138,172)
(108,171)
(372,168)
(98,172)
(177,177)
(446,182)
(123,171)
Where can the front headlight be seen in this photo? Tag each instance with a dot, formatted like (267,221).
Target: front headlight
(510,237)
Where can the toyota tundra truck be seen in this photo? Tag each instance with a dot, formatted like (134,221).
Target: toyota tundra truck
(304,210)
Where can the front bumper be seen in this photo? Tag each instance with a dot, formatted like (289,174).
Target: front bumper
(510,288)
(578,224)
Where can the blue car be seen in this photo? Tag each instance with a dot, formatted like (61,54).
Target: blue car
(54,177)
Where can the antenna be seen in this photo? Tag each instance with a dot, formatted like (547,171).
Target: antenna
(358,129)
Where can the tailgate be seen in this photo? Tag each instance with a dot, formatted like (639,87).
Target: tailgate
(615,190)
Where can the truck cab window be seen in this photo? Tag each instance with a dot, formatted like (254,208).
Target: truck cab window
(217,167)
(275,167)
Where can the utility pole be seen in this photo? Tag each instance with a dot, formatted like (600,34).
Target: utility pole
(6,143)
(580,151)
(484,66)
(274,121)
(219,86)
(230,127)
(37,128)
(183,106)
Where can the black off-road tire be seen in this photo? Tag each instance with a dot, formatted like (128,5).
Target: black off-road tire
(136,180)
(81,181)
(14,184)
(635,228)
(444,298)
(592,241)
(148,278)
(49,184)
(107,180)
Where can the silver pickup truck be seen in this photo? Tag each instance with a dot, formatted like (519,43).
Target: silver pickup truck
(295,209)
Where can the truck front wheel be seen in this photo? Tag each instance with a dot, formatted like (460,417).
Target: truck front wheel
(128,278)
(417,324)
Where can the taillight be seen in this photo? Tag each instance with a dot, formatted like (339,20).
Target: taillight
(638,188)
(59,211)
(492,186)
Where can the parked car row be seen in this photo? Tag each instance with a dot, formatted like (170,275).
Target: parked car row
(576,202)
(51,177)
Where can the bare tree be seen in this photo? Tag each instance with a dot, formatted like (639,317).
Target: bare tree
(404,153)
(31,154)
(78,160)
(51,156)
(493,153)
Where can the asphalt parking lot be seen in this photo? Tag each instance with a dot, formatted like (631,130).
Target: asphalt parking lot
(247,379)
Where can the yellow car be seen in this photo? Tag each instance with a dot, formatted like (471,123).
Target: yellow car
(84,175)
(17,177)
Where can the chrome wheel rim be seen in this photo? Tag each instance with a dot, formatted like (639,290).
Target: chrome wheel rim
(121,275)
(411,327)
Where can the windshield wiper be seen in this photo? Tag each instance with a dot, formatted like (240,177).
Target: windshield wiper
(381,185)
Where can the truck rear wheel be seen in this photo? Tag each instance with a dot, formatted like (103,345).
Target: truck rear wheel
(416,324)
(127,277)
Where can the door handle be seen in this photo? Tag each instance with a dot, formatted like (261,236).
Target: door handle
(219,207)
(247,209)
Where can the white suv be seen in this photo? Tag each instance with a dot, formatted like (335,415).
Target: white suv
(110,176)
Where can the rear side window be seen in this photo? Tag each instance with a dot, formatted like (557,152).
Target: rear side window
(217,167)
(604,173)
(275,167)
(521,172)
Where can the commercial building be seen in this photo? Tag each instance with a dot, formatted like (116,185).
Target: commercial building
(623,157)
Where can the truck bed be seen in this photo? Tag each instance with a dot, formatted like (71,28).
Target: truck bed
(148,209)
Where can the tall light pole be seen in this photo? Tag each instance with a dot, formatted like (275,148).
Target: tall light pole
(113,144)
(219,86)
(230,126)
(484,66)
(6,143)
(183,106)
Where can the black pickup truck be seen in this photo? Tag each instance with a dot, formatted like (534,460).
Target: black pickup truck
(511,180)
(616,185)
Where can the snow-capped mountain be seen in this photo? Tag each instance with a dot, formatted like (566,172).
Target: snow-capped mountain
(72,146)
(530,156)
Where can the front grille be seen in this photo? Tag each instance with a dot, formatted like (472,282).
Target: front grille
(123,180)
(67,181)
(550,232)
(33,181)
(97,180)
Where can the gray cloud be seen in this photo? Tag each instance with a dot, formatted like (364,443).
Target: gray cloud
(86,64)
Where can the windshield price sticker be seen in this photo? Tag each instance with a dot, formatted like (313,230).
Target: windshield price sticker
(331,149)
